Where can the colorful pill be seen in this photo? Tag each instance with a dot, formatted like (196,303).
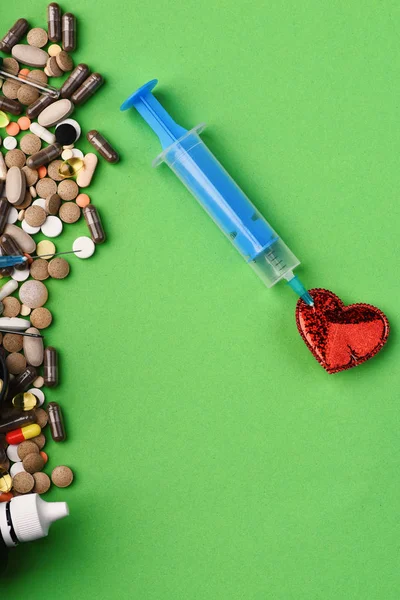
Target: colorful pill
(23,433)
(6,496)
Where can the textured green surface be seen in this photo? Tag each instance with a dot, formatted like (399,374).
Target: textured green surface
(214,458)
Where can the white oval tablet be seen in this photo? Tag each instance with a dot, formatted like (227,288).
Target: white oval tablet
(7,289)
(52,227)
(43,133)
(12,215)
(17,467)
(15,186)
(40,202)
(21,275)
(28,228)
(30,55)
(10,143)
(12,452)
(55,113)
(39,395)
(14,323)
(86,173)
(85,245)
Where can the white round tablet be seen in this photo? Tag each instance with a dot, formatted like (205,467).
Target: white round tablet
(39,395)
(40,202)
(17,467)
(25,310)
(12,215)
(28,228)
(67,154)
(52,227)
(12,452)
(85,246)
(10,143)
(20,275)
(76,153)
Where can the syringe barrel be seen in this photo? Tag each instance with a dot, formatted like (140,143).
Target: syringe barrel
(219,195)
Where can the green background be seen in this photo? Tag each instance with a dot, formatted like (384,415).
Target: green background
(214,458)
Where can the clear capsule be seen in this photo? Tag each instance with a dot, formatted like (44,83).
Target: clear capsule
(68,27)
(56,422)
(11,106)
(14,35)
(94,224)
(77,77)
(16,419)
(54,22)
(102,146)
(25,401)
(44,156)
(50,364)
(70,167)
(40,104)
(87,89)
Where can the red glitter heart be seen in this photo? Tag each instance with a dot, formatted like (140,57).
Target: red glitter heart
(341,337)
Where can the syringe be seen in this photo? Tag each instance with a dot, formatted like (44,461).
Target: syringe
(198,169)
(45,89)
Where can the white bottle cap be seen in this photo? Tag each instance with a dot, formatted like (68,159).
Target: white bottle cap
(31,516)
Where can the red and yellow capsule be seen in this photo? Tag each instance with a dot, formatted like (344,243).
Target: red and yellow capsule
(16,436)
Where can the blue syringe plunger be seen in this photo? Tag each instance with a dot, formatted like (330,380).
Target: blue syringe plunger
(198,169)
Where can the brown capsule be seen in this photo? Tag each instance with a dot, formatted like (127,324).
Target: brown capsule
(102,146)
(50,363)
(11,248)
(44,156)
(54,22)
(77,77)
(87,89)
(14,35)
(68,27)
(4,210)
(94,224)
(17,419)
(41,103)
(11,106)
(56,422)
(21,382)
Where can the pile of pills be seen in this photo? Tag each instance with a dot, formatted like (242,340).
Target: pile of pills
(42,173)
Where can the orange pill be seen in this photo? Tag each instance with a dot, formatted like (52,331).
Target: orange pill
(6,497)
(24,123)
(12,128)
(24,72)
(29,257)
(82,200)
(44,456)
(42,171)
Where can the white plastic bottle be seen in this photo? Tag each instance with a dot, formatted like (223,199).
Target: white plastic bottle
(24,519)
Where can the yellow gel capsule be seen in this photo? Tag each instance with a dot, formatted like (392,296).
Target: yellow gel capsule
(26,401)
(5,482)
(70,167)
